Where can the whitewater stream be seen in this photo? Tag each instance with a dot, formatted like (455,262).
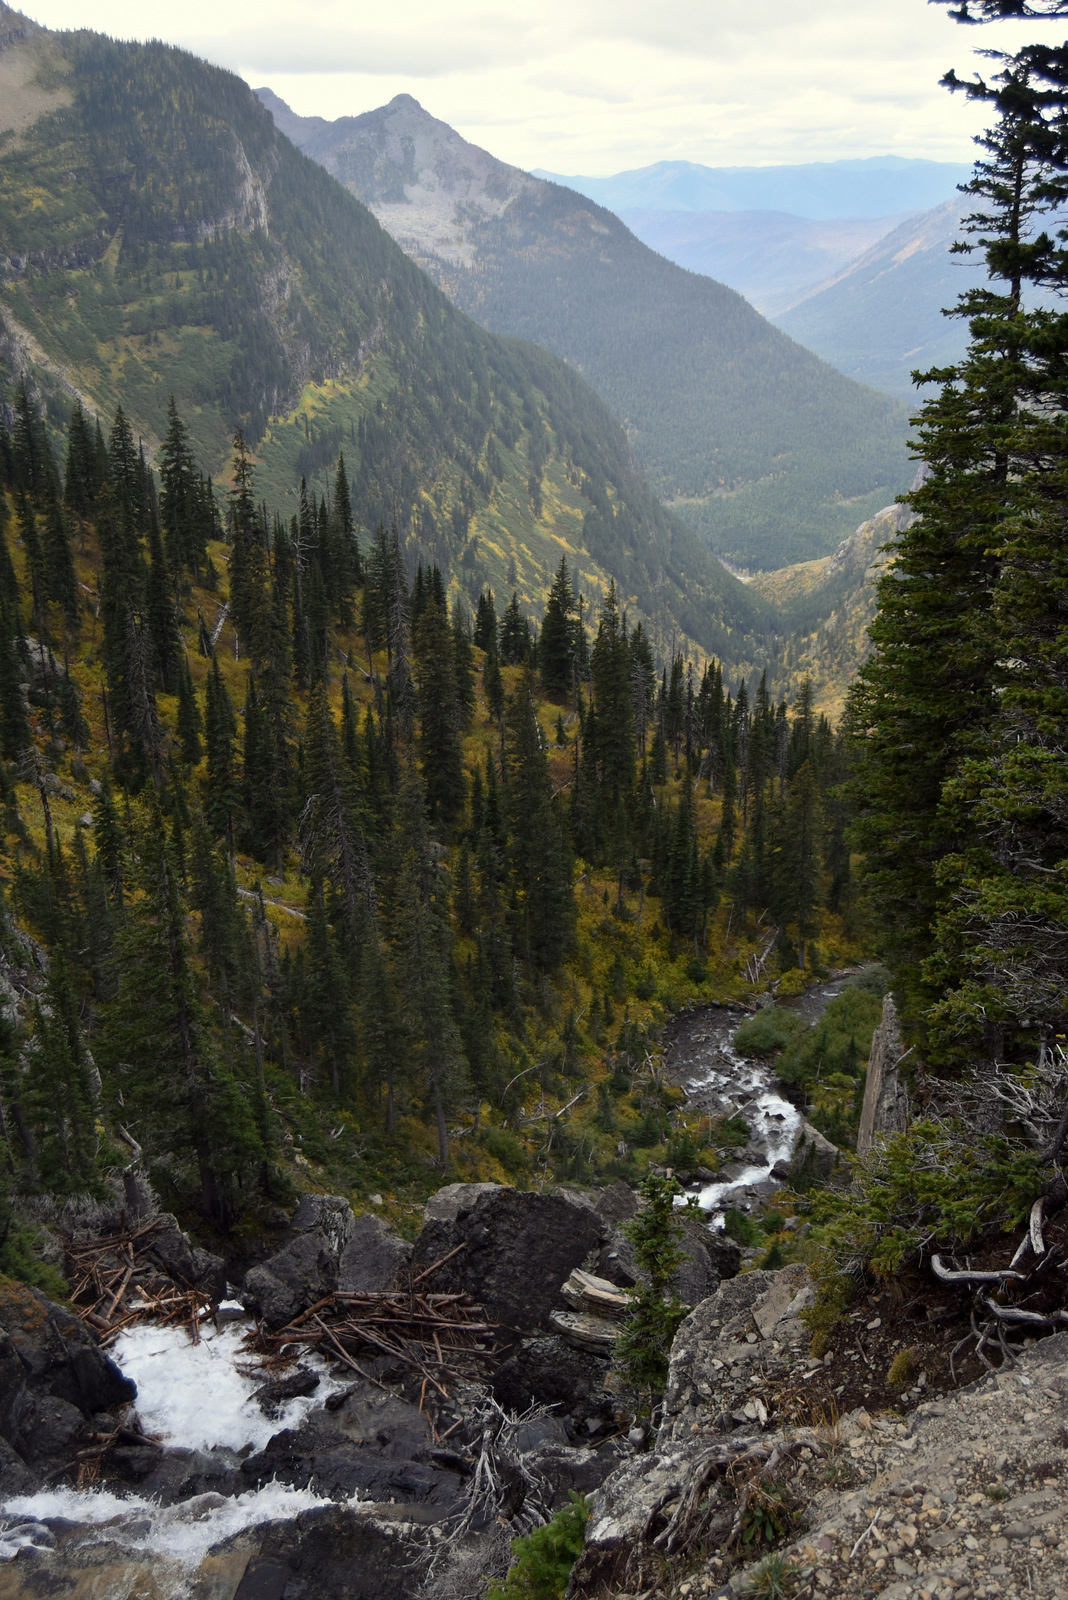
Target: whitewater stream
(720,1082)
(191,1395)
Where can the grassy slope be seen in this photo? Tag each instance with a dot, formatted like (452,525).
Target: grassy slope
(827,606)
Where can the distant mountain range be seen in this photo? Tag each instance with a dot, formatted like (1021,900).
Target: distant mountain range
(771,257)
(769,452)
(881,317)
(876,186)
(862,288)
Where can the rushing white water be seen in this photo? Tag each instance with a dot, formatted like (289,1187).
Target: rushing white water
(184,1533)
(195,1395)
(730,1084)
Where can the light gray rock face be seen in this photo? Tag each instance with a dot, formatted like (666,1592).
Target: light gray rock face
(446,1204)
(732,1349)
(307,1266)
(911,1512)
(372,1257)
(815,1155)
(886,1106)
(617,1203)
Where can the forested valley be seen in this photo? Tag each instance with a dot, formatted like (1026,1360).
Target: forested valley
(337,879)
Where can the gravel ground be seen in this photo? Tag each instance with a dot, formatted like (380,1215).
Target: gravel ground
(967,1497)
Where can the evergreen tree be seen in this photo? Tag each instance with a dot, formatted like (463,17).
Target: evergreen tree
(613,740)
(60,580)
(440,717)
(34,469)
(221,792)
(184,512)
(80,479)
(189,721)
(930,691)
(421,964)
(190,1113)
(514,644)
(537,849)
(556,643)
(248,555)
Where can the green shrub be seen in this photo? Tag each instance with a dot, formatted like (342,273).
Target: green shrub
(740,1227)
(875,978)
(769,1031)
(543,1558)
(938,1186)
(734,1133)
(505,1147)
(681,1151)
(839,1043)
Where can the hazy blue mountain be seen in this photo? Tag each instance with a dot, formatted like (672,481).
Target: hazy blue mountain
(876,186)
(769,256)
(881,317)
(771,454)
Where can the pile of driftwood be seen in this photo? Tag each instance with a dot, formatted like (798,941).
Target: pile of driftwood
(119,1281)
(438,1337)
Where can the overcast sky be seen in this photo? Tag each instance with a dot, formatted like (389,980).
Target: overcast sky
(596,86)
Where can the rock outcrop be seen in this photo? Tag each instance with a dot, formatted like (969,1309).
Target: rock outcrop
(54,1379)
(372,1256)
(513,1249)
(308,1264)
(886,1107)
(966,1497)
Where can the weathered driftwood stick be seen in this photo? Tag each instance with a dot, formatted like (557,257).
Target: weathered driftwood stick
(1034,1227)
(950,1275)
(344,1356)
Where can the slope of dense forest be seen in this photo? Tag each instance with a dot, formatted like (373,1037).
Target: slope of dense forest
(881,318)
(334,882)
(158,236)
(763,448)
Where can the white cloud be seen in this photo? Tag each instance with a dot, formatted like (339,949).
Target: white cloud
(600,85)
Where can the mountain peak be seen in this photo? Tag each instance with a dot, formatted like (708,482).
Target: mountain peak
(421,178)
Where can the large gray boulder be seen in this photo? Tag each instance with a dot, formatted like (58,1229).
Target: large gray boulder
(814,1157)
(307,1267)
(514,1249)
(372,1257)
(53,1378)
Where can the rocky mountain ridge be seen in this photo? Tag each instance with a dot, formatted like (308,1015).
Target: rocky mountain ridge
(750,438)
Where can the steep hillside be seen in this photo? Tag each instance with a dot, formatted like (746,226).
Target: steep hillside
(757,443)
(872,186)
(881,317)
(827,606)
(159,236)
(769,256)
